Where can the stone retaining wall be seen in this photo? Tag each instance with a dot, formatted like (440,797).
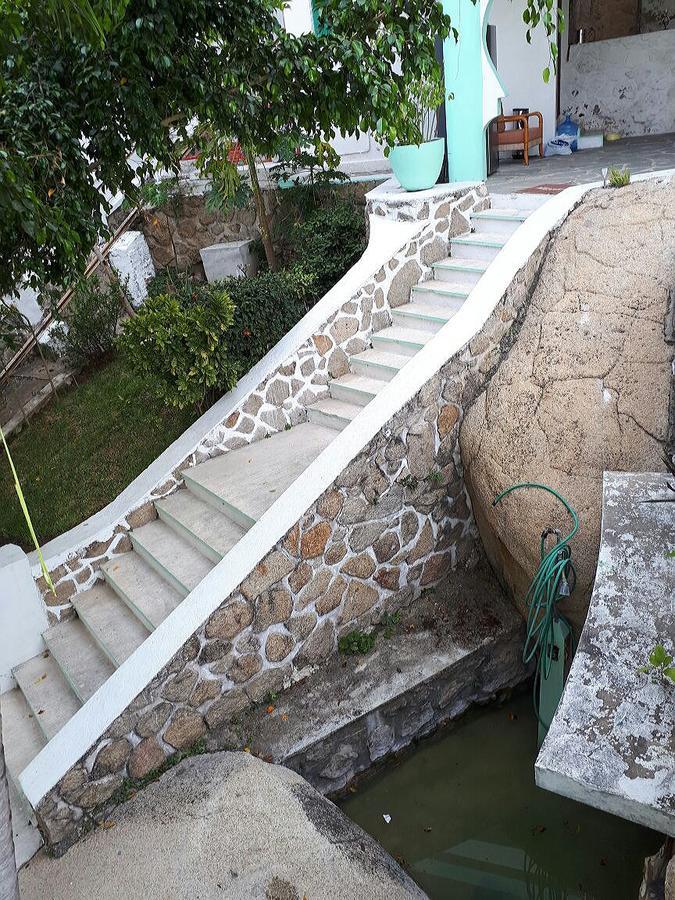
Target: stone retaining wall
(394,522)
(281,399)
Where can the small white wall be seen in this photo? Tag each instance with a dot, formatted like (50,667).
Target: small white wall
(130,258)
(520,65)
(625,84)
(23,617)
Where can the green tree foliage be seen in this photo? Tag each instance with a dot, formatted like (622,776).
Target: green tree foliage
(75,103)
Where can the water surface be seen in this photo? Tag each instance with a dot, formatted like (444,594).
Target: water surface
(468,822)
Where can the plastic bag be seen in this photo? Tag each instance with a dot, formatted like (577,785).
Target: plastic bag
(568,128)
(559,146)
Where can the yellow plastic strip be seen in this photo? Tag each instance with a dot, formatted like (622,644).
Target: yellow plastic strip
(22,502)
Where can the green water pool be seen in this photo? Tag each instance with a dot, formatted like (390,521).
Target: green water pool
(468,822)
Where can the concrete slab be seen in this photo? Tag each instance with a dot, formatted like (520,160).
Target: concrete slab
(247,481)
(612,742)
(49,696)
(226,826)
(145,592)
(110,622)
(83,664)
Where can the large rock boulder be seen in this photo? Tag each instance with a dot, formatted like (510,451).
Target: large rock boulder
(225,826)
(585,387)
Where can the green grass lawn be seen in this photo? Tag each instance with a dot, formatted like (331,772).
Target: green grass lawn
(78,453)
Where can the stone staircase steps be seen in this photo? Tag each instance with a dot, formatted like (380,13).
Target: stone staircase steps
(378,364)
(209,531)
(483,246)
(498,221)
(353,388)
(401,340)
(197,526)
(333,413)
(82,663)
(49,696)
(453,293)
(172,557)
(22,737)
(425,315)
(148,595)
(112,625)
(460,271)
(245,483)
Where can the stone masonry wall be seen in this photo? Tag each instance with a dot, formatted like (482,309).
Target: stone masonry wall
(394,522)
(281,399)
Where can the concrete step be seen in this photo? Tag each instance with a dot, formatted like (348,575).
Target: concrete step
(498,221)
(378,364)
(333,413)
(149,597)
(110,622)
(355,388)
(83,664)
(449,292)
(522,202)
(402,340)
(244,483)
(460,271)
(21,735)
(477,246)
(209,531)
(48,694)
(172,557)
(425,316)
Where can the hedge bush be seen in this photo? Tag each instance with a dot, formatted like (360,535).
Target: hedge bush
(328,242)
(178,342)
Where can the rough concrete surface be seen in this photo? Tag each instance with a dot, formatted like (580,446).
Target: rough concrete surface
(612,743)
(223,826)
(586,385)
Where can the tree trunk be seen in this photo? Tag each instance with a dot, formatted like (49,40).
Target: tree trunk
(263,219)
(9,883)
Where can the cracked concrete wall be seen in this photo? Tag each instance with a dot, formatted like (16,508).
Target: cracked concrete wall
(586,386)
(624,85)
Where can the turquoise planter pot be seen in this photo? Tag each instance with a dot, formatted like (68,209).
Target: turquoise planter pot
(417,167)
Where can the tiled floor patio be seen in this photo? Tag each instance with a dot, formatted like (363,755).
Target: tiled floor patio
(648,153)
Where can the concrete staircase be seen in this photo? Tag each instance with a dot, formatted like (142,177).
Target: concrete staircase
(222,498)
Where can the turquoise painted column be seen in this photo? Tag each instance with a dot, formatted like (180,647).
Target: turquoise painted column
(464,78)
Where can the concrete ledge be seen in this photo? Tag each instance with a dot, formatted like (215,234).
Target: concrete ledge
(612,744)
(459,645)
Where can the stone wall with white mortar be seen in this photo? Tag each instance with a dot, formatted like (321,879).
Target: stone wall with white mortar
(395,521)
(282,398)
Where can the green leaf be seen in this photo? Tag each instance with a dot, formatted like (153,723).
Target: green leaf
(546,75)
(658,657)
(670,673)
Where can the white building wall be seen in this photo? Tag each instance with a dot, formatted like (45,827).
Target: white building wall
(520,65)
(625,84)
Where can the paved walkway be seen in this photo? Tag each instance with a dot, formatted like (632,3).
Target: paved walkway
(649,153)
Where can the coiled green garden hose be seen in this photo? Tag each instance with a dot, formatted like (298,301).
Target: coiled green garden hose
(555,578)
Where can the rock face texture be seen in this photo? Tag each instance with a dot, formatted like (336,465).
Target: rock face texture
(585,387)
(230,827)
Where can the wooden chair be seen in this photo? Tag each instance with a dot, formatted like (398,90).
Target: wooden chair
(522,136)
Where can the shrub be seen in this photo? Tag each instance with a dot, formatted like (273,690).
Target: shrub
(356,642)
(328,242)
(177,341)
(87,329)
(266,307)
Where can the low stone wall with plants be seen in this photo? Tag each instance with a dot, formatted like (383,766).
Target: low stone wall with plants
(395,521)
(281,399)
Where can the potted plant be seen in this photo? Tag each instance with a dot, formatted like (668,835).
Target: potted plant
(417,157)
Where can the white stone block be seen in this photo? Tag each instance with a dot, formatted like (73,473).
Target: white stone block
(130,258)
(23,616)
(590,139)
(232,259)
